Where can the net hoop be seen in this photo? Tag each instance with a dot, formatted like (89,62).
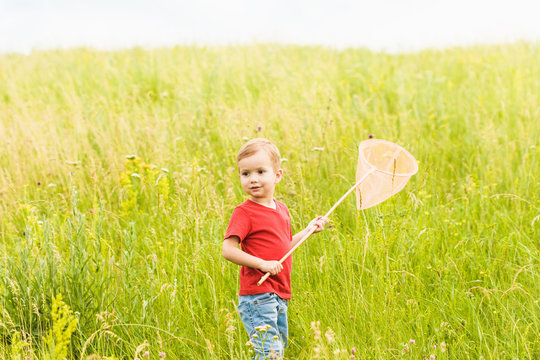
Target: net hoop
(367,143)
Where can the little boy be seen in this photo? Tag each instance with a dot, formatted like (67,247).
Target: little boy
(262,227)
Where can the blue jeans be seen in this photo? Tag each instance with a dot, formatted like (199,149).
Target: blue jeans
(265,319)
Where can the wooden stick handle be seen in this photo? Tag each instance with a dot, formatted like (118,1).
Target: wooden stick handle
(308,234)
(349,191)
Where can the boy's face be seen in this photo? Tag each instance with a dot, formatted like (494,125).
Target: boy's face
(258,177)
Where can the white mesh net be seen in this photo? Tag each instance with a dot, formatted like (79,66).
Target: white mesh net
(384,168)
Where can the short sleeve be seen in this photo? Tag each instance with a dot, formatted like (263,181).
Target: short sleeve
(239,225)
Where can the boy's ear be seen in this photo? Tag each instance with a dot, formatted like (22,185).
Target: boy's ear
(279,175)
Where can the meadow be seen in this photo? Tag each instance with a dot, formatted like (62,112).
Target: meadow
(117,181)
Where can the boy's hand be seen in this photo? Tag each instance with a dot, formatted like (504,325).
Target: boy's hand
(273,267)
(320,222)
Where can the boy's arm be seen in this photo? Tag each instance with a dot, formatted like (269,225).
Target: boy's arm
(319,221)
(235,255)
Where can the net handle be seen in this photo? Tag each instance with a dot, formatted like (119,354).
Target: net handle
(313,228)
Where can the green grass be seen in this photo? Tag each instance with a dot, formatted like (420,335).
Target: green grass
(453,258)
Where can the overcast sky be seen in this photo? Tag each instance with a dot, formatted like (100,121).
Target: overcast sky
(382,25)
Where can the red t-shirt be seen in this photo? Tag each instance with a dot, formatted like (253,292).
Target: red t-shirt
(266,234)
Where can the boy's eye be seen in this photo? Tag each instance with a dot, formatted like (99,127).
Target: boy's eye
(244,174)
(261,171)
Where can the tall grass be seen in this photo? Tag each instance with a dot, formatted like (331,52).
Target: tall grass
(117,181)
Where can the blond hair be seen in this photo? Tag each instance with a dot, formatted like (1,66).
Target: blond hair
(254,145)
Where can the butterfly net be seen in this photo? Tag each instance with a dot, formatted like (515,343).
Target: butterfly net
(384,168)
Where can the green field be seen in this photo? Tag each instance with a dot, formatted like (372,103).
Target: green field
(117,181)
